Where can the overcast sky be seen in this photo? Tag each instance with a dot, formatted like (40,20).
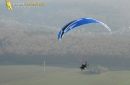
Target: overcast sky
(58,12)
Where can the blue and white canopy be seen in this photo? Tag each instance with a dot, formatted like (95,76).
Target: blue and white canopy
(82,21)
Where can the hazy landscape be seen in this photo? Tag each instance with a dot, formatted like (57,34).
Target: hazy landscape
(64,75)
(27,46)
(28,36)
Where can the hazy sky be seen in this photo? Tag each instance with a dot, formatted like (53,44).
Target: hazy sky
(53,16)
(56,13)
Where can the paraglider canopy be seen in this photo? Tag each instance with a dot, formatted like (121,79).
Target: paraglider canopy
(75,23)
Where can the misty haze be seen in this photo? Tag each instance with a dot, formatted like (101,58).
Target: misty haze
(31,54)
